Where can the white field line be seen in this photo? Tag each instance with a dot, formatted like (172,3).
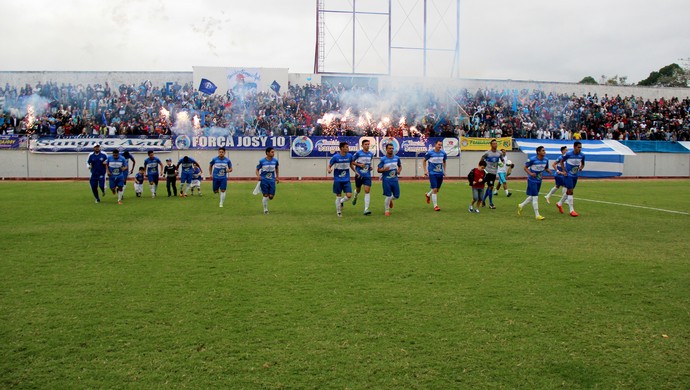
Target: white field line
(619,204)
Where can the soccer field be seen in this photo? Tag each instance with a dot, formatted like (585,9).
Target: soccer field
(177,292)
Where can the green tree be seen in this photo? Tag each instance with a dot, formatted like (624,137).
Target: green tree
(588,80)
(615,80)
(672,75)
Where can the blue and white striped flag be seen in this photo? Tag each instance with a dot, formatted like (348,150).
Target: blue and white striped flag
(603,158)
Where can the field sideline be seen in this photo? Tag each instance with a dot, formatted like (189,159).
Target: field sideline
(176,292)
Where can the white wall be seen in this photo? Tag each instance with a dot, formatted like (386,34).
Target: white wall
(24,164)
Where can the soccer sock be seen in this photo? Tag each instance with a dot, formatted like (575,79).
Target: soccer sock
(119,195)
(388,202)
(264,201)
(570,203)
(344,199)
(434,198)
(524,203)
(506,190)
(429,193)
(366,201)
(222,197)
(337,203)
(565,195)
(535,205)
(356,194)
(551,192)
(153,190)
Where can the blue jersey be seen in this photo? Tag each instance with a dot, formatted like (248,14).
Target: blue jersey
(536,166)
(220,167)
(117,166)
(267,169)
(196,174)
(558,170)
(366,158)
(341,166)
(96,162)
(129,158)
(139,178)
(187,167)
(435,160)
(573,162)
(394,164)
(151,165)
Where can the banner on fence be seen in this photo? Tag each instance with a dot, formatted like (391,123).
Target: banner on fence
(9,141)
(183,142)
(321,147)
(474,143)
(77,145)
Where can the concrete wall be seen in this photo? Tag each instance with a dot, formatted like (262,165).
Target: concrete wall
(24,164)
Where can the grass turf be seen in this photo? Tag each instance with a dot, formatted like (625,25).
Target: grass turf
(173,292)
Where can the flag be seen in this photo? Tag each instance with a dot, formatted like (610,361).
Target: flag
(275,87)
(207,86)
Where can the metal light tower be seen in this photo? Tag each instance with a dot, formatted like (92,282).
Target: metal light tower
(363,37)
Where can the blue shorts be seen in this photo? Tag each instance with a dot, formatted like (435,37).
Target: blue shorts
(435,181)
(533,187)
(391,187)
(220,183)
(153,179)
(570,182)
(362,181)
(186,178)
(342,186)
(560,180)
(268,187)
(502,178)
(116,181)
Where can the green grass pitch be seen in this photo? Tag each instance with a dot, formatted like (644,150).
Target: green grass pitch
(176,292)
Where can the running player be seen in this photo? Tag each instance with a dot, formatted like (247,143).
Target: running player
(197,176)
(340,164)
(153,167)
(219,167)
(96,163)
(186,168)
(558,175)
(267,171)
(362,162)
(535,167)
(435,168)
(390,168)
(128,156)
(492,157)
(572,164)
(117,166)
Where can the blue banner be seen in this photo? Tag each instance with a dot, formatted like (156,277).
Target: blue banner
(325,147)
(9,141)
(85,145)
(182,142)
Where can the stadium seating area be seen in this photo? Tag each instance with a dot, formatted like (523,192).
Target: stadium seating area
(67,110)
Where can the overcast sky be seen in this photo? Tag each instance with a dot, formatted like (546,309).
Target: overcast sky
(550,40)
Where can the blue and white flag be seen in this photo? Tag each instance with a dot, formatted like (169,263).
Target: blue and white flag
(603,158)
(207,86)
(275,87)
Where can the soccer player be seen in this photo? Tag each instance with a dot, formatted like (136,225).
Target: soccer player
(435,168)
(117,165)
(505,168)
(390,168)
(96,163)
(267,171)
(170,172)
(197,176)
(535,167)
(362,162)
(492,157)
(476,178)
(558,175)
(572,164)
(153,167)
(340,164)
(186,167)
(139,181)
(220,167)
(128,156)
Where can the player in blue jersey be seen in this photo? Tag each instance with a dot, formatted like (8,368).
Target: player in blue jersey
(340,165)
(128,156)
(435,169)
(267,171)
(186,167)
(492,158)
(558,175)
(153,166)
(363,159)
(390,167)
(117,166)
(572,164)
(139,181)
(96,164)
(219,167)
(535,167)
(197,177)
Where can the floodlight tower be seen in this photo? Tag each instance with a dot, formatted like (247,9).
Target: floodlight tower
(362,38)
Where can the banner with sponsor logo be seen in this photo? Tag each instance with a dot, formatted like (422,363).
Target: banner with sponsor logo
(474,143)
(9,141)
(323,147)
(183,142)
(85,145)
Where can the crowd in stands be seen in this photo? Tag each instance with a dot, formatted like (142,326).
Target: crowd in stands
(149,110)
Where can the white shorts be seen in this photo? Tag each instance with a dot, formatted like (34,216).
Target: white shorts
(138,187)
(195,184)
